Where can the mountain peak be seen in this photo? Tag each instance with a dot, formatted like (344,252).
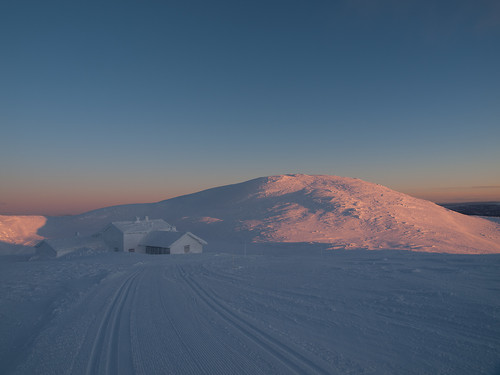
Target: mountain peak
(289,183)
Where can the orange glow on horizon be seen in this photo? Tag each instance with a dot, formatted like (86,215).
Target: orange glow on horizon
(459,194)
(66,203)
(52,202)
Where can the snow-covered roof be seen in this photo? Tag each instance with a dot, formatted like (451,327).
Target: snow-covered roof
(166,239)
(67,245)
(146,225)
(203,242)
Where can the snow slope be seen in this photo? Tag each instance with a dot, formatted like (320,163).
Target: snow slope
(281,309)
(343,212)
(21,230)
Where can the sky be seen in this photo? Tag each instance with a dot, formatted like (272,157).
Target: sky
(115,102)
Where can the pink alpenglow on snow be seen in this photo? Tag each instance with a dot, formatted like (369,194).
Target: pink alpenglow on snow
(346,213)
(351,213)
(21,230)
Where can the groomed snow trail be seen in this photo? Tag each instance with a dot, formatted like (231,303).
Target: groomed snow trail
(275,313)
(110,354)
(159,319)
(280,352)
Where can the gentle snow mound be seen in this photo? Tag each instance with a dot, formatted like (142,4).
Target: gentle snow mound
(346,213)
(351,213)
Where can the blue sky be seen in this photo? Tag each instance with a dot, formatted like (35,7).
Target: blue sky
(113,102)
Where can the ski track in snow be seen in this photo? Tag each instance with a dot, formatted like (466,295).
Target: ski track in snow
(295,361)
(109,354)
(354,312)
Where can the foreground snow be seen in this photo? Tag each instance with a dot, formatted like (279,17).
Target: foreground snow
(278,309)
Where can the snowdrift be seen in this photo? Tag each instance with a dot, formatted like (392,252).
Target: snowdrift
(346,213)
(21,230)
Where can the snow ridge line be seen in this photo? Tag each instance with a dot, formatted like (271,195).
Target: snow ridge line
(295,361)
(109,328)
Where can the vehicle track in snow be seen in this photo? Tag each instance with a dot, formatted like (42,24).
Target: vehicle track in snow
(292,305)
(293,360)
(110,354)
(188,352)
(174,332)
(197,315)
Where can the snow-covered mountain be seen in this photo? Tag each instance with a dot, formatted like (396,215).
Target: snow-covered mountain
(344,212)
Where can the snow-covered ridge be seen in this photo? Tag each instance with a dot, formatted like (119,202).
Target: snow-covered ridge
(21,230)
(351,213)
(346,213)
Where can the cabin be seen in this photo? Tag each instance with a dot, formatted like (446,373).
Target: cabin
(162,242)
(150,237)
(126,235)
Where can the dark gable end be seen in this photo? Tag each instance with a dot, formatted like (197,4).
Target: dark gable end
(162,239)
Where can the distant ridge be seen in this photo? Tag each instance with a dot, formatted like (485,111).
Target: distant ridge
(347,213)
(475,208)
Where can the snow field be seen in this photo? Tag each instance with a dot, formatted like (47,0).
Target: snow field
(279,309)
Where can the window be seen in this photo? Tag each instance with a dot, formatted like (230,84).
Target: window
(157,250)
(186,249)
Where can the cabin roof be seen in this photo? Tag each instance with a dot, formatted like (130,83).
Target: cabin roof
(166,239)
(139,226)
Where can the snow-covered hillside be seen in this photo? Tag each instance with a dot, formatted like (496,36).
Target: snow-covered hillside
(21,230)
(345,212)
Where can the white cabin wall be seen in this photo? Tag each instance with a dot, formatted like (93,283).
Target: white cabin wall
(178,246)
